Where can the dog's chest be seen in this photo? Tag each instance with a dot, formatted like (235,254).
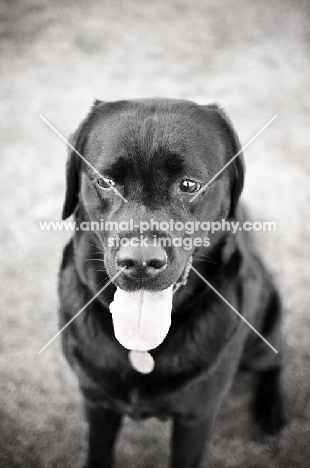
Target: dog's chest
(140,407)
(138,404)
(140,396)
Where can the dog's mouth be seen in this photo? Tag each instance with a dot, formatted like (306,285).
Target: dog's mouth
(184,276)
(142,318)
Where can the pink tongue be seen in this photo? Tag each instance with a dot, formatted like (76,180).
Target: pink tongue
(141,319)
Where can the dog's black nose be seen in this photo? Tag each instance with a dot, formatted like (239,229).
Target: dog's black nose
(141,260)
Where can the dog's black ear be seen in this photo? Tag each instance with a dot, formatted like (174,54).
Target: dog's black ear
(72,179)
(77,140)
(238,167)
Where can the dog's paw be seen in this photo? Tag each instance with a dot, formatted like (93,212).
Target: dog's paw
(271,416)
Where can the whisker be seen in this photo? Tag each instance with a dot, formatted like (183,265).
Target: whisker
(94,259)
(205,256)
(106,277)
(203,260)
(202,255)
(97,253)
(94,245)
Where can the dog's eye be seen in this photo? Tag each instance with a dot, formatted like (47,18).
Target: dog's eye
(105,183)
(189,186)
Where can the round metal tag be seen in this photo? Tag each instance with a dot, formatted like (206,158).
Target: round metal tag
(141,361)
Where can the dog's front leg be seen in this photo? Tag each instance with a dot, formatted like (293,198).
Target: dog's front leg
(189,440)
(103,428)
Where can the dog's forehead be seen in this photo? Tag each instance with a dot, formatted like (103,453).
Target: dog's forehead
(176,136)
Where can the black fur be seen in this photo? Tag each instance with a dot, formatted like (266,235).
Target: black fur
(148,146)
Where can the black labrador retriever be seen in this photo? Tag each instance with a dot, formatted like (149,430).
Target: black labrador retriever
(147,160)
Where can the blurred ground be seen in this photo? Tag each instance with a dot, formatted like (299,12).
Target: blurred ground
(252,58)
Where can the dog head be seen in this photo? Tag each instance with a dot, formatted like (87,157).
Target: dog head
(143,163)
